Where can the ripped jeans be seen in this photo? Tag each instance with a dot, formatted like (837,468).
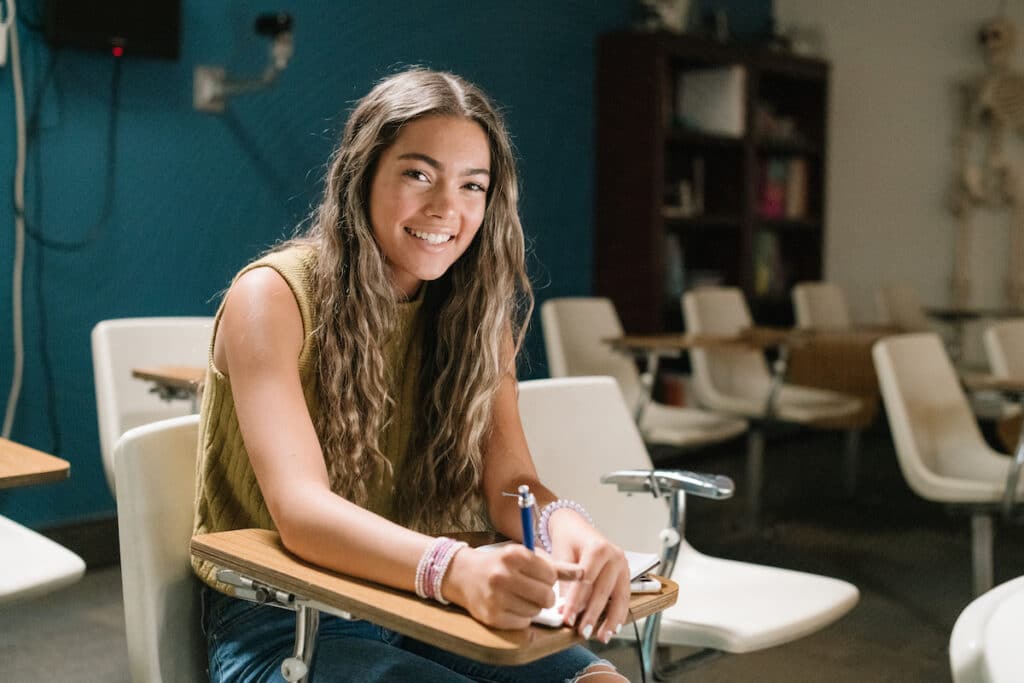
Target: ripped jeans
(246,643)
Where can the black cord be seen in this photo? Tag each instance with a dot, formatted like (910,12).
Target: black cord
(640,651)
(96,231)
(34,24)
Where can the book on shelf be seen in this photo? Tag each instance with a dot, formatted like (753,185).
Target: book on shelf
(675,273)
(712,100)
(782,187)
(769,275)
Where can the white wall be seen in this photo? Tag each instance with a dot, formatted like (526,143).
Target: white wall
(892,120)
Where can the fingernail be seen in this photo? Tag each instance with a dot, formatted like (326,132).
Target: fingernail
(572,618)
(618,628)
(587,631)
(606,637)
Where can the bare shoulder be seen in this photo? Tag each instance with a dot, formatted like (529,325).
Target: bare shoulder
(261,319)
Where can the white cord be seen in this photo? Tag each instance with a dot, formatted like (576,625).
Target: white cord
(19,222)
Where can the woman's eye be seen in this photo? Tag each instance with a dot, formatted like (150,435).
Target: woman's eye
(475,187)
(416,174)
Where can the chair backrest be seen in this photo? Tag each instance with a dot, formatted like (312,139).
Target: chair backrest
(573,329)
(123,402)
(900,306)
(578,429)
(724,371)
(1004,346)
(820,306)
(155,467)
(932,425)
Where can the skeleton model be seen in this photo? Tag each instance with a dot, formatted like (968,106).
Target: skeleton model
(993,104)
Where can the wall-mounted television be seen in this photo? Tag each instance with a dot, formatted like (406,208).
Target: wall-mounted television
(146,28)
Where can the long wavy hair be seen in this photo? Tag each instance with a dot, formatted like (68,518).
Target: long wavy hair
(474,315)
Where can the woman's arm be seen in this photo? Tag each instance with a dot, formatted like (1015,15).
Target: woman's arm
(507,464)
(257,345)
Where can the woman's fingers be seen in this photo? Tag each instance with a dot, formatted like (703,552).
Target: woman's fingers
(596,604)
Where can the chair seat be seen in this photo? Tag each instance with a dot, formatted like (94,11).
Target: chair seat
(968,474)
(967,642)
(666,425)
(804,405)
(33,564)
(766,606)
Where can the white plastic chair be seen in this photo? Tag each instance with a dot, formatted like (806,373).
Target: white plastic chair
(899,306)
(1004,346)
(940,448)
(737,380)
(573,332)
(820,306)
(33,565)
(123,402)
(155,468)
(579,430)
(978,624)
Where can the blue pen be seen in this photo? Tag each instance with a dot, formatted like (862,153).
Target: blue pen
(526,503)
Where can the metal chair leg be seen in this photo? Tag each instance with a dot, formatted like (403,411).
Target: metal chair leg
(755,474)
(851,462)
(296,669)
(981,551)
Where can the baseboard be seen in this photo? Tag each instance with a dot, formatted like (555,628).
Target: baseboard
(95,540)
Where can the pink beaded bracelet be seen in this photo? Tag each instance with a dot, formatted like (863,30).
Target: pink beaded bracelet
(433,566)
(545,517)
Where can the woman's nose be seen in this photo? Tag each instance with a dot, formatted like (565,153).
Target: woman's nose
(442,202)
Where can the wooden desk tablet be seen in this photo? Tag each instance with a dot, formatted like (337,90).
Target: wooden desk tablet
(24,466)
(259,554)
(173,378)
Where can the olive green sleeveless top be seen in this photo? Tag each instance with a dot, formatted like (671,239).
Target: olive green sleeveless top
(227,493)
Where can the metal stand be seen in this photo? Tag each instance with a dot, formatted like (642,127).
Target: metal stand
(298,667)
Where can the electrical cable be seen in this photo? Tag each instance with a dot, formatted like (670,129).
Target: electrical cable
(36,217)
(17,318)
(95,232)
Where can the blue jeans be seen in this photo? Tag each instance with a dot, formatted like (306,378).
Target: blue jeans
(246,643)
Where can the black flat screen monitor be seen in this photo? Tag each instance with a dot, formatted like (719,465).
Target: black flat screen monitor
(146,28)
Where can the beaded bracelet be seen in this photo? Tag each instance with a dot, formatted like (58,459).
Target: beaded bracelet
(441,568)
(433,566)
(545,517)
(425,565)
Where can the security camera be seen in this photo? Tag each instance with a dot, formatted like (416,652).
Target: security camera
(212,86)
(273,24)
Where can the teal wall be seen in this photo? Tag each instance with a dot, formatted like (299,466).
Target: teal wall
(196,196)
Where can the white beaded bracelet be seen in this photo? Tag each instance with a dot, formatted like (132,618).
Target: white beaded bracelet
(442,569)
(545,517)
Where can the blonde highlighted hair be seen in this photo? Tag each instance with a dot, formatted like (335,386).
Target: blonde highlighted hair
(475,314)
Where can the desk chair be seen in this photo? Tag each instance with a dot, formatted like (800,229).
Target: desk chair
(580,430)
(737,380)
(940,448)
(972,630)
(155,466)
(32,565)
(123,402)
(1004,347)
(899,305)
(820,306)
(574,330)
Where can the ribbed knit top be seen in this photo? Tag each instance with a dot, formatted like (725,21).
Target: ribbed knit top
(227,493)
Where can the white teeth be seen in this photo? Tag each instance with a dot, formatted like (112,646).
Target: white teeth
(430,237)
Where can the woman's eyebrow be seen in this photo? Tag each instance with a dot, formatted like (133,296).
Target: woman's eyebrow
(438,166)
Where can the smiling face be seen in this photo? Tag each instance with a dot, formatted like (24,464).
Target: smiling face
(428,196)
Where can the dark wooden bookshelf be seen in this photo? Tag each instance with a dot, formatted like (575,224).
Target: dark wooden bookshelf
(644,152)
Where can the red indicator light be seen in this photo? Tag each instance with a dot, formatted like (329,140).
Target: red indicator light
(118,50)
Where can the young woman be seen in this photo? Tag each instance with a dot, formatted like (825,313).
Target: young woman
(361,400)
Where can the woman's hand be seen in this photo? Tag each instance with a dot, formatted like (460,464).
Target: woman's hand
(505,587)
(605,584)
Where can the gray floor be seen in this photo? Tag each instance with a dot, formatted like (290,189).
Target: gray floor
(909,558)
